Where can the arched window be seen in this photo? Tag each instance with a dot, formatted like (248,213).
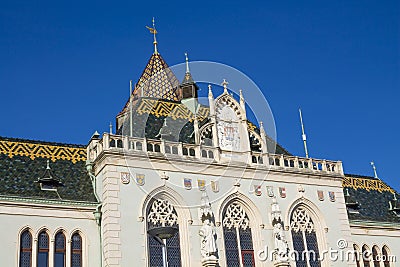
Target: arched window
(304,238)
(385,256)
(25,254)
(356,255)
(59,250)
(237,237)
(375,256)
(43,250)
(76,250)
(162,217)
(366,255)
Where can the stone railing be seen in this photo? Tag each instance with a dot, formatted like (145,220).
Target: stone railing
(163,148)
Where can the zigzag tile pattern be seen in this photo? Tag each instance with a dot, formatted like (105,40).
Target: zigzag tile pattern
(367,184)
(37,150)
(170,109)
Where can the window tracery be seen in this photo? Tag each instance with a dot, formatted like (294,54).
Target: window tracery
(237,237)
(304,238)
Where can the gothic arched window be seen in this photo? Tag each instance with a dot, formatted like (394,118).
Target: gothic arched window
(366,254)
(59,250)
(385,255)
(356,255)
(25,254)
(237,237)
(43,250)
(375,256)
(304,238)
(76,250)
(161,214)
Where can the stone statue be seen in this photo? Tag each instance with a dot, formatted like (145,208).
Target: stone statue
(281,245)
(208,235)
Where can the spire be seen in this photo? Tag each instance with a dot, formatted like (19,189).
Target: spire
(154,32)
(187,62)
(210,93)
(374,167)
(225,85)
(188,76)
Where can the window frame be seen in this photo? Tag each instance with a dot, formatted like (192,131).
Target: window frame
(24,250)
(44,249)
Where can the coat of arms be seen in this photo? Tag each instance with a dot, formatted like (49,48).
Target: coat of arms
(140,179)
(201,184)
(282,192)
(215,186)
(257,190)
(320,194)
(187,183)
(125,177)
(270,191)
(332,196)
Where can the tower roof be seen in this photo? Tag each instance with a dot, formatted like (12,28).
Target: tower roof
(157,81)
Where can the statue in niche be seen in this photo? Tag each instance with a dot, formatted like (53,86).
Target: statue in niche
(208,236)
(281,245)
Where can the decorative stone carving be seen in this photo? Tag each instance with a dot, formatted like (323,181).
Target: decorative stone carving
(236,217)
(301,221)
(281,251)
(162,213)
(208,235)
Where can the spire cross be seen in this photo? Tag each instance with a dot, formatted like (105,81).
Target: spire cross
(225,85)
(187,62)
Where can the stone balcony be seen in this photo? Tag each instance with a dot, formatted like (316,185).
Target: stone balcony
(163,148)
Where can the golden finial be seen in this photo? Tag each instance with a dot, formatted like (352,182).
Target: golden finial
(154,32)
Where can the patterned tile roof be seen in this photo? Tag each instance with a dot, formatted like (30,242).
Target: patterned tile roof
(373,195)
(157,81)
(23,162)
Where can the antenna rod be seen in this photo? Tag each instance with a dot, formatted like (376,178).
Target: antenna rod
(374,167)
(303,135)
(110,127)
(130,111)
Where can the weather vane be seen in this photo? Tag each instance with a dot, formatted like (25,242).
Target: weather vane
(154,32)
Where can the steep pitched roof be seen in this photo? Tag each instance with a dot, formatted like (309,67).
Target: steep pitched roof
(157,81)
(373,196)
(24,162)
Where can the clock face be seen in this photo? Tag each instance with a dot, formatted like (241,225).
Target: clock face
(228,129)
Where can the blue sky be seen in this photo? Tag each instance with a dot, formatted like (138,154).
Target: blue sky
(66,65)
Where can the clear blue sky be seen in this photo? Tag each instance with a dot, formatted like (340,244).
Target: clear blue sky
(66,65)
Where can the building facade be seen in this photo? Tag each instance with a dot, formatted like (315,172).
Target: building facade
(176,186)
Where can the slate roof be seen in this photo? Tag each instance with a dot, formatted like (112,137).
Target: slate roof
(373,196)
(23,162)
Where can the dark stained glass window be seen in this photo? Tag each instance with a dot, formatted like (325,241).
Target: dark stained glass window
(385,255)
(375,256)
(366,256)
(59,250)
(76,250)
(237,237)
(25,255)
(304,238)
(43,250)
(162,214)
